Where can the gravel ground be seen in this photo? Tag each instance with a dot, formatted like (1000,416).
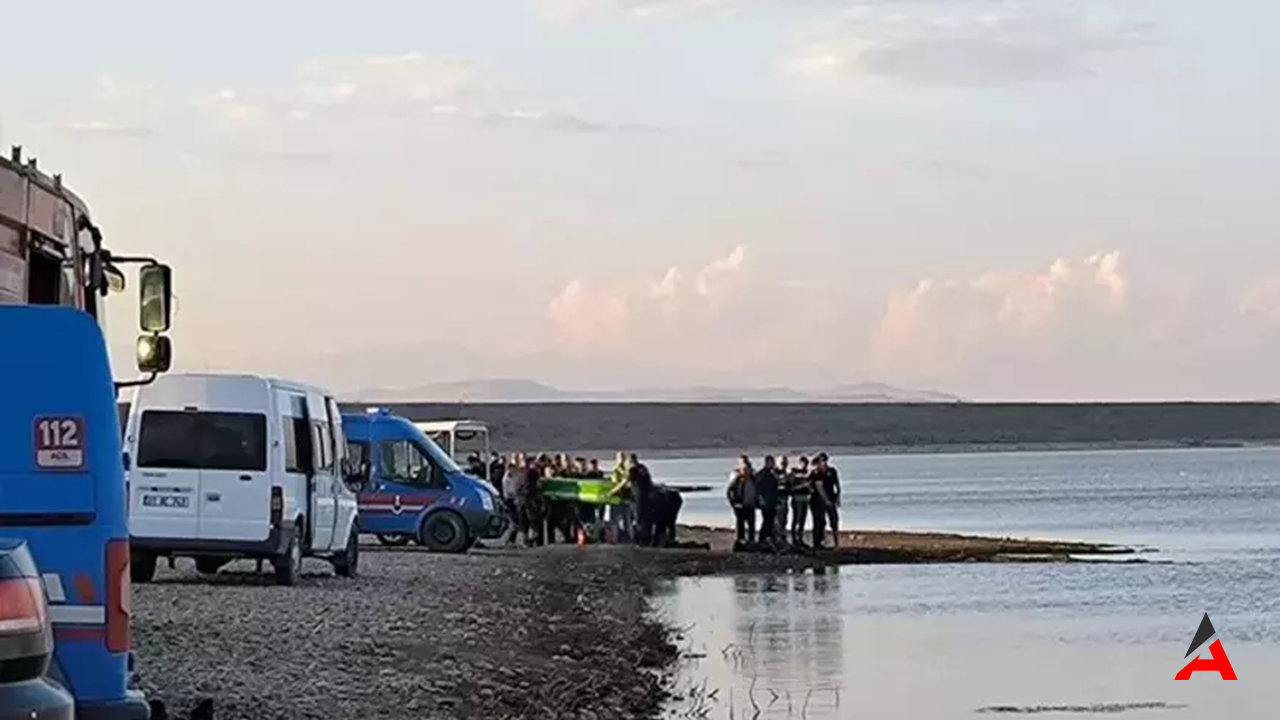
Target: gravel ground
(550,633)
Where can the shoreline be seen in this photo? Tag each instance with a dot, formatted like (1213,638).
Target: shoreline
(551,632)
(879,547)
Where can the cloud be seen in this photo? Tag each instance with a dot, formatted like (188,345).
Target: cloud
(941,325)
(676,307)
(117,107)
(934,44)
(409,89)
(377,80)
(561,11)
(227,105)
(112,88)
(1259,302)
(104,128)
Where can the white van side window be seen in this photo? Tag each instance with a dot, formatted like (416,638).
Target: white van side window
(298,443)
(324,446)
(340,452)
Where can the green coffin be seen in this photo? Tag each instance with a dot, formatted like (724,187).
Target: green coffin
(591,492)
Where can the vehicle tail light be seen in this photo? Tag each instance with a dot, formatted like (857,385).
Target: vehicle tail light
(22,606)
(277,507)
(119,600)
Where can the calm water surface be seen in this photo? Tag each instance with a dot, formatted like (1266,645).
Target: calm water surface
(949,641)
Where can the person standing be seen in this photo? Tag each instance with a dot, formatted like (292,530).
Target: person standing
(515,495)
(668,503)
(782,523)
(741,496)
(646,509)
(623,515)
(767,499)
(825,501)
(800,490)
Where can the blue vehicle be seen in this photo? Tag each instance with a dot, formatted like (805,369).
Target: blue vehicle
(411,490)
(62,483)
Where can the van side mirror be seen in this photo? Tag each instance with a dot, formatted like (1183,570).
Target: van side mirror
(155,290)
(155,353)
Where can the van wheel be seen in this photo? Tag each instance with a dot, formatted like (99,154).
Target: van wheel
(346,564)
(142,568)
(208,566)
(394,540)
(445,532)
(289,565)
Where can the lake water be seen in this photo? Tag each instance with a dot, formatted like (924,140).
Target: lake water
(996,640)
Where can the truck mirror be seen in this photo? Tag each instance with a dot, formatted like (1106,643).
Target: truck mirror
(155,353)
(114,279)
(155,290)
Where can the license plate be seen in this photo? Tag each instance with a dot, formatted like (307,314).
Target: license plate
(165,501)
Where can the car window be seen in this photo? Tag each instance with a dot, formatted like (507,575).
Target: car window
(403,461)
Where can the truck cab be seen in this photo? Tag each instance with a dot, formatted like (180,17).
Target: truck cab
(411,490)
(62,485)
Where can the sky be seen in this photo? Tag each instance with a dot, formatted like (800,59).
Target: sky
(1001,199)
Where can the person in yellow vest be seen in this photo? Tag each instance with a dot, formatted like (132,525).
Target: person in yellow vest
(622,516)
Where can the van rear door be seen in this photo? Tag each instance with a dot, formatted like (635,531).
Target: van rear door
(164,481)
(201,475)
(235,490)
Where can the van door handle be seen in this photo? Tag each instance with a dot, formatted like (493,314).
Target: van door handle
(246,477)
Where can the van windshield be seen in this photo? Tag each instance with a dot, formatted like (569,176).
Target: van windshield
(203,440)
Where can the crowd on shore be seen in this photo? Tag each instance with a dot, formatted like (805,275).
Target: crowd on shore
(783,497)
(778,506)
(640,510)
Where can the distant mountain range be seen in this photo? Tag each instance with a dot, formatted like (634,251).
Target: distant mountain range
(529,391)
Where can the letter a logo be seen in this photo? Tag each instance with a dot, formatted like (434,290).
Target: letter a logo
(1218,661)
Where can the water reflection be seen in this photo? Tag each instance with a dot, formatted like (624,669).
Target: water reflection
(962,642)
(788,629)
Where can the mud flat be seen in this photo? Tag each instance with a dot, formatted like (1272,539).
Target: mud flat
(861,547)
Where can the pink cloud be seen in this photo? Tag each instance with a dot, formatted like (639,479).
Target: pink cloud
(936,326)
(625,317)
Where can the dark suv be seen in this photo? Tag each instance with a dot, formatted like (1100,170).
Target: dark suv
(26,642)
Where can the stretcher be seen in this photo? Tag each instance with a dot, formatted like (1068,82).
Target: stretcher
(588,492)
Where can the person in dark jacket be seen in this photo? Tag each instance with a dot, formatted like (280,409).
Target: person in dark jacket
(642,485)
(824,501)
(800,491)
(667,503)
(497,469)
(741,494)
(767,490)
(782,524)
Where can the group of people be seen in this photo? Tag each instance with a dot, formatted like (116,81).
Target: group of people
(643,511)
(783,497)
